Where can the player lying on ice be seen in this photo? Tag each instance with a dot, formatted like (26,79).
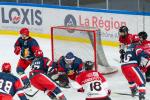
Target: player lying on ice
(68,66)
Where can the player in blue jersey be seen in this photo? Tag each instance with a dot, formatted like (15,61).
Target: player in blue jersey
(10,84)
(68,67)
(26,47)
(39,78)
(136,56)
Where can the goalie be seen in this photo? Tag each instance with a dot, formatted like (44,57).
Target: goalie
(68,66)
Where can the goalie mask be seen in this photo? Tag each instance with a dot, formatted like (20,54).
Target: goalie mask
(6,67)
(89,65)
(69,58)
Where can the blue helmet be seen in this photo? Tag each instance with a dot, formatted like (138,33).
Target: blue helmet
(69,57)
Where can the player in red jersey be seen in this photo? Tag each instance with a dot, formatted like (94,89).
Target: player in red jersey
(145,43)
(93,83)
(26,47)
(39,78)
(125,39)
(10,84)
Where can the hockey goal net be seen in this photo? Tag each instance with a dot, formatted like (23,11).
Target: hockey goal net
(83,42)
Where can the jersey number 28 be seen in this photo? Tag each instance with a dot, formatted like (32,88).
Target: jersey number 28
(5,85)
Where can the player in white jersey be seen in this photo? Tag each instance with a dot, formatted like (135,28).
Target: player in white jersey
(93,83)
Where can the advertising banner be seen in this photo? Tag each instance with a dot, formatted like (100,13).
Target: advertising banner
(40,19)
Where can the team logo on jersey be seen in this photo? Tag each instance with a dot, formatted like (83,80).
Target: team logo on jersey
(70,21)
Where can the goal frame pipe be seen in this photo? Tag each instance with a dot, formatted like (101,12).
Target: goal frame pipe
(52,43)
(72,28)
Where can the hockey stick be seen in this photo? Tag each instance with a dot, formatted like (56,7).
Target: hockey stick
(127,94)
(32,95)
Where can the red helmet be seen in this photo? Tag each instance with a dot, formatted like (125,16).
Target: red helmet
(24,31)
(6,67)
(38,53)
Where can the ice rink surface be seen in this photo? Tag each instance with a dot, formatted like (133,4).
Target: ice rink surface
(116,81)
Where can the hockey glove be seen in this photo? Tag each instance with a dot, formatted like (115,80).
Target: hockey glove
(17,50)
(143,69)
(122,52)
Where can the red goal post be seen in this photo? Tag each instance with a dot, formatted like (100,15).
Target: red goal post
(83,42)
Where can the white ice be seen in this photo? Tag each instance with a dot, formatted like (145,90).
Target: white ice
(117,82)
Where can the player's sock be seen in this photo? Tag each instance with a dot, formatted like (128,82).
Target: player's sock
(25,81)
(51,94)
